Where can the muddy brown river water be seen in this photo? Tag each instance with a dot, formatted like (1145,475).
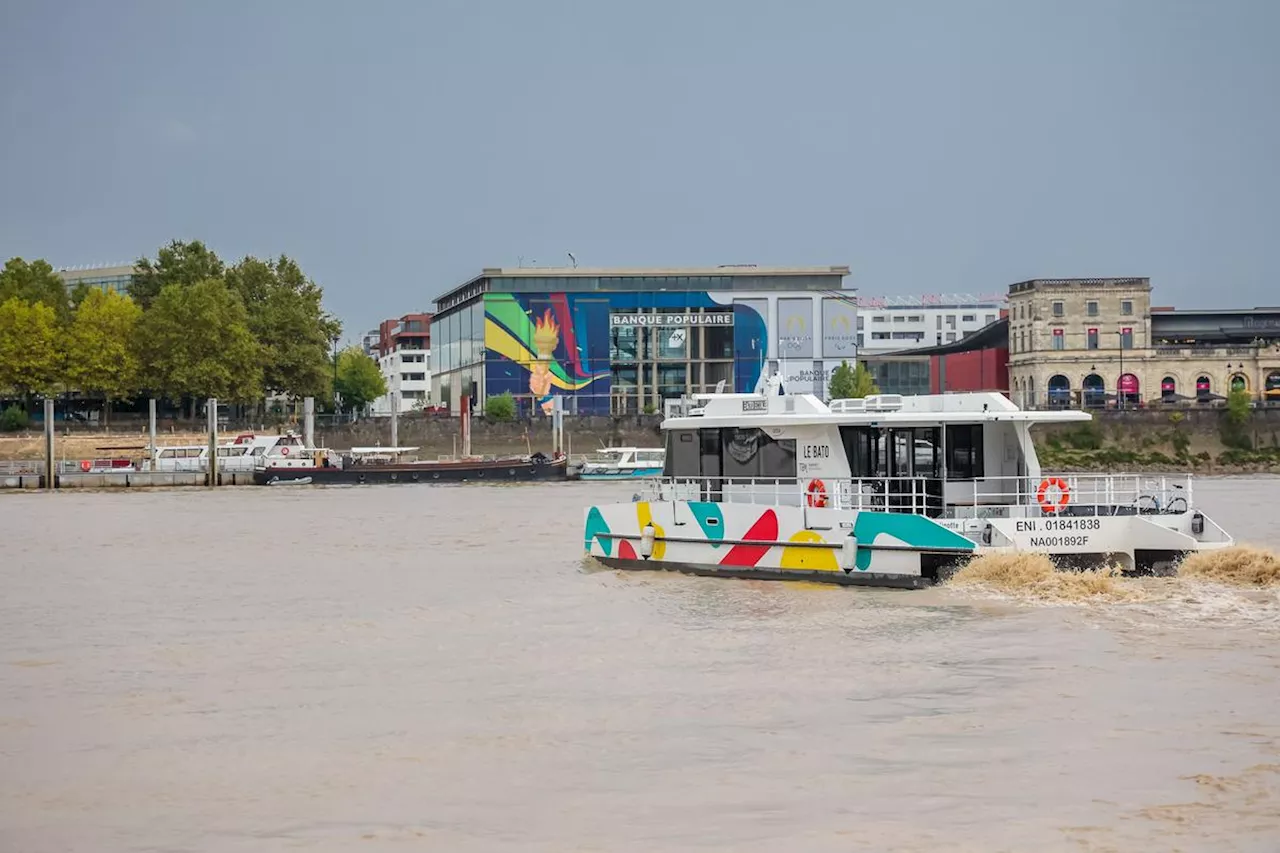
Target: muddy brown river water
(437,668)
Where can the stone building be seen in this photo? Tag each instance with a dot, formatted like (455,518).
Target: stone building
(1098,342)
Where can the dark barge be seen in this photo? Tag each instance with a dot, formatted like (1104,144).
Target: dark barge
(353,472)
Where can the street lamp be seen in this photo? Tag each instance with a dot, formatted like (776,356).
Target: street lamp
(335,374)
(1120,380)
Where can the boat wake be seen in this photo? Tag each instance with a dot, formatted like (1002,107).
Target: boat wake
(1235,585)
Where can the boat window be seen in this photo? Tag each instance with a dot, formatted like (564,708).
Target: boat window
(734,453)
(860,445)
(709,452)
(964,452)
(750,453)
(682,454)
(902,451)
(926,457)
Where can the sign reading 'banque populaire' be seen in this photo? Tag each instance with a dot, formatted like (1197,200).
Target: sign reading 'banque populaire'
(714,318)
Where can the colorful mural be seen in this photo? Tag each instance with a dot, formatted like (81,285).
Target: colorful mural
(558,344)
(540,354)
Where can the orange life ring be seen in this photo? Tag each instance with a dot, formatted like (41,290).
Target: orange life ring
(284,451)
(1064,494)
(85,465)
(817,496)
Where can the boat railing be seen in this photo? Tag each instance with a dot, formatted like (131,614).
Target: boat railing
(1069,494)
(882,494)
(16,467)
(984,497)
(600,456)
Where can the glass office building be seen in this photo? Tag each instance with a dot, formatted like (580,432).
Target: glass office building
(115,278)
(622,342)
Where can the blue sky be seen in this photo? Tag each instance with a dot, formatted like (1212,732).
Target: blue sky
(395,148)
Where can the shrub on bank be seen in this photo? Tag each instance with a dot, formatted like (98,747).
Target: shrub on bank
(13,419)
(500,408)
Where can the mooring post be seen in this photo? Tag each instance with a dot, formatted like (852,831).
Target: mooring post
(395,419)
(465,421)
(151,427)
(309,422)
(211,409)
(50,479)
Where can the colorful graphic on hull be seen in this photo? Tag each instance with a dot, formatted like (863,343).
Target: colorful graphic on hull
(800,548)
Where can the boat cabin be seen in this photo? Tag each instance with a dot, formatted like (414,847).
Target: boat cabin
(240,455)
(629,457)
(378,456)
(932,455)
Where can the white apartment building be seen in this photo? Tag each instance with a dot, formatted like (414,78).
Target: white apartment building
(408,372)
(895,323)
(404,357)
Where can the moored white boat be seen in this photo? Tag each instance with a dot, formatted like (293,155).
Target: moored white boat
(622,463)
(888,490)
(243,454)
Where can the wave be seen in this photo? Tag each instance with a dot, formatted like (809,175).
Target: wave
(1226,578)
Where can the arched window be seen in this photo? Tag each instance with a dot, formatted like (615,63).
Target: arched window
(1127,389)
(1059,392)
(1095,390)
(1203,387)
(1168,388)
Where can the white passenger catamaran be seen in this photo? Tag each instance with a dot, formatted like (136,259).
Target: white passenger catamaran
(887,490)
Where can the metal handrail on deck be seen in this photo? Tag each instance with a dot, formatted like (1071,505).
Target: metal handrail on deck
(983,497)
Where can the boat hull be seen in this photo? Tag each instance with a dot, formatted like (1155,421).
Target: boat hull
(432,472)
(852,547)
(619,474)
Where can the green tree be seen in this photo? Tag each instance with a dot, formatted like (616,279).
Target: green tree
(102,355)
(288,320)
(1235,431)
(178,263)
(34,282)
(360,382)
(195,342)
(501,407)
(30,362)
(851,383)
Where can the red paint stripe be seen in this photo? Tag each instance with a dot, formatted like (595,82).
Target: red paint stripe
(765,529)
(564,318)
(625,551)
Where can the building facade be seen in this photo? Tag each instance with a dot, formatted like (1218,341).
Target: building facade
(1097,342)
(900,323)
(977,362)
(403,352)
(623,341)
(115,277)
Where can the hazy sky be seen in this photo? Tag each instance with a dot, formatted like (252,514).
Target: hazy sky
(395,148)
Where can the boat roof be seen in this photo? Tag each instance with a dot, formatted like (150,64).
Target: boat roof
(395,451)
(630,449)
(745,410)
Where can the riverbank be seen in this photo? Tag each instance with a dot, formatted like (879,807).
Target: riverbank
(432,436)
(1200,442)
(1146,441)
